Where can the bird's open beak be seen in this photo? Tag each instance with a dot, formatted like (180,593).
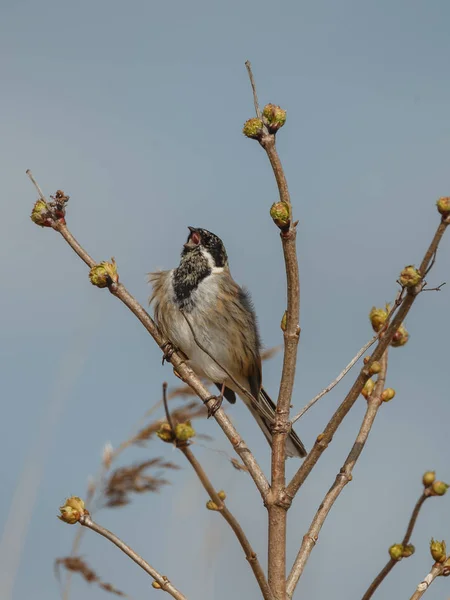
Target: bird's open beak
(193,239)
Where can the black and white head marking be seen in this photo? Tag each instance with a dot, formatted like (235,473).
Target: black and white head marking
(209,244)
(203,254)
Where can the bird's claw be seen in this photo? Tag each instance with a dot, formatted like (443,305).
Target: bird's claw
(213,408)
(168,350)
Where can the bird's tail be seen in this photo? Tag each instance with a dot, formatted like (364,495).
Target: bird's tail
(265,418)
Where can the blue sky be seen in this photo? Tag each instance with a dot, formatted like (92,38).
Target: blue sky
(135,109)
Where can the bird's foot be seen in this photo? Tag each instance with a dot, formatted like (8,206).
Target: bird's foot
(217,402)
(168,350)
(213,408)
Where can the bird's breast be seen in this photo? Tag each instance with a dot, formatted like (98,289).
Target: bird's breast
(201,315)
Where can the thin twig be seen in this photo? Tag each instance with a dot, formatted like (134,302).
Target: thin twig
(177,361)
(430,255)
(430,266)
(252,82)
(166,407)
(406,539)
(342,479)
(36,185)
(379,578)
(335,381)
(162,580)
(325,438)
(438,288)
(370,343)
(413,519)
(436,570)
(250,555)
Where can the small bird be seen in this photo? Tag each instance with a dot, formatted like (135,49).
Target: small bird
(199,305)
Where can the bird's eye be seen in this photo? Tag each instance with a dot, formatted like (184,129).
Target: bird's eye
(195,238)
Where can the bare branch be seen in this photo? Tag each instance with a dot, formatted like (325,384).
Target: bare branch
(78,249)
(415,514)
(250,555)
(177,361)
(379,578)
(437,569)
(343,477)
(406,539)
(161,580)
(275,505)
(325,438)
